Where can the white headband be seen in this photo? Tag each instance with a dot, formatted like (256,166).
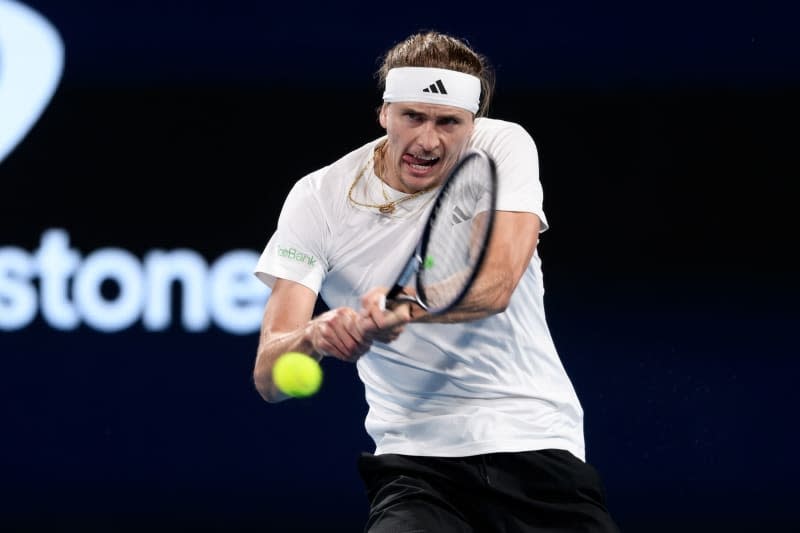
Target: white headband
(433,86)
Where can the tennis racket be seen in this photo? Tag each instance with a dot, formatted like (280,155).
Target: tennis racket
(450,252)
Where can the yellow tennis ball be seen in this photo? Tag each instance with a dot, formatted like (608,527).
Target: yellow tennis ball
(297,374)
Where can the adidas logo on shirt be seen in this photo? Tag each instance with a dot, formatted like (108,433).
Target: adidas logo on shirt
(459,215)
(436,87)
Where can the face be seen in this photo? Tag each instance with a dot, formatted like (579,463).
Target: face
(424,143)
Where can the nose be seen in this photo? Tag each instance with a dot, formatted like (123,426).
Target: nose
(428,138)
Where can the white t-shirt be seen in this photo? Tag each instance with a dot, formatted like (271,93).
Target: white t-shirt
(490,385)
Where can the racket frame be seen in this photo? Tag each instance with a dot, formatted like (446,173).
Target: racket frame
(416,261)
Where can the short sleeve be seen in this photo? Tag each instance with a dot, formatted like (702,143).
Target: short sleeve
(296,250)
(517,160)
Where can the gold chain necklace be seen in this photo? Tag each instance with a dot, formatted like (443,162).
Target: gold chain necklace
(386,208)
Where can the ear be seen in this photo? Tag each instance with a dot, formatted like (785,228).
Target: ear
(382,114)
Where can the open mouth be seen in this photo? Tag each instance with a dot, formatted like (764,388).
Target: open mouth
(420,163)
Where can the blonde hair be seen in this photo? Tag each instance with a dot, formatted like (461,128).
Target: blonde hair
(438,50)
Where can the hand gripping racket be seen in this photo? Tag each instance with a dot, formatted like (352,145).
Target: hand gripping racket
(450,252)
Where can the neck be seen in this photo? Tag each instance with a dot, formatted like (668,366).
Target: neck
(379,158)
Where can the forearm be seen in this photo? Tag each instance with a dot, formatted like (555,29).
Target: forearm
(271,346)
(511,247)
(489,295)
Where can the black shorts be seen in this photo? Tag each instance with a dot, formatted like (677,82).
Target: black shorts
(536,491)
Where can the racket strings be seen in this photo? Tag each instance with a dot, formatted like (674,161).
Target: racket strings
(458,231)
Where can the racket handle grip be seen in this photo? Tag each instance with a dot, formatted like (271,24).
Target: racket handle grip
(394,292)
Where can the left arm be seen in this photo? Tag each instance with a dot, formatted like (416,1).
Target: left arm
(514,239)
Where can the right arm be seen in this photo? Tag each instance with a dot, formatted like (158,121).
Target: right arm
(288,326)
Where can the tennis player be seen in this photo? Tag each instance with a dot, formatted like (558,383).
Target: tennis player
(477,427)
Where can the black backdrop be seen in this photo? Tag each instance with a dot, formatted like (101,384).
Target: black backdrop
(669,265)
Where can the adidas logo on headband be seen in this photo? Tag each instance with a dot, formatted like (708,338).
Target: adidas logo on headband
(436,87)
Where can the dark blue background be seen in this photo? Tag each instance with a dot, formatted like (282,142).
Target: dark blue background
(667,138)
(577,43)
